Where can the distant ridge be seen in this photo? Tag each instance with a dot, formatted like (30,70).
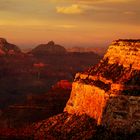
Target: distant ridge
(49,48)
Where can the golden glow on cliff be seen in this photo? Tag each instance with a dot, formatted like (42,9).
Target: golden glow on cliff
(72,22)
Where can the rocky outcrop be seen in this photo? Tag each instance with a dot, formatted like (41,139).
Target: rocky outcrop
(50,48)
(109,91)
(8,48)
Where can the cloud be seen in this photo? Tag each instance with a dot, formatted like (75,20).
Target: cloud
(73,9)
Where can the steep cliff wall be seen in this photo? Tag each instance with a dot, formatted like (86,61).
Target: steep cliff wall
(109,91)
(87,99)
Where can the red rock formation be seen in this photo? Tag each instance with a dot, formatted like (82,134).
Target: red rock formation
(109,91)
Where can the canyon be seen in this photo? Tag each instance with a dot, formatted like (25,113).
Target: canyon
(35,87)
(107,93)
(104,101)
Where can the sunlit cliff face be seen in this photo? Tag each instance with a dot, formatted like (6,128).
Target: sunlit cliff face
(125,52)
(109,91)
(70,23)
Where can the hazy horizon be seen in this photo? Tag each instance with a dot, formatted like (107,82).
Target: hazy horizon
(30,46)
(84,23)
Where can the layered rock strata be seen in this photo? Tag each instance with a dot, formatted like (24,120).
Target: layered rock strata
(110,91)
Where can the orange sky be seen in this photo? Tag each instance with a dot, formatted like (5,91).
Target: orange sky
(69,22)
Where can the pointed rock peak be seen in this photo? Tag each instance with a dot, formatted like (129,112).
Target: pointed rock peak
(51,43)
